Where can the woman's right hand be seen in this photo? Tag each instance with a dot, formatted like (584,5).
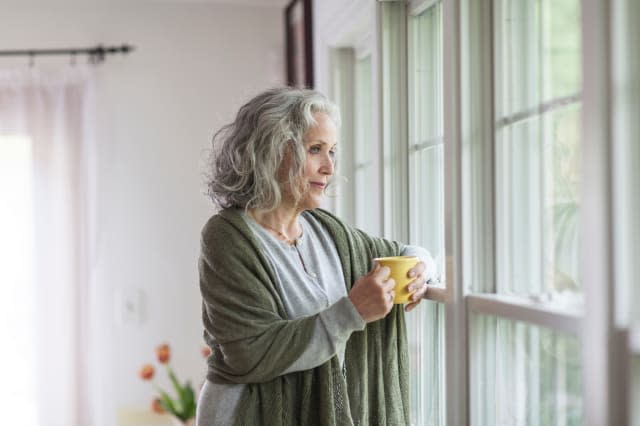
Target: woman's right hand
(372,295)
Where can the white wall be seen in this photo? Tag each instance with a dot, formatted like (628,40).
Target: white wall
(193,66)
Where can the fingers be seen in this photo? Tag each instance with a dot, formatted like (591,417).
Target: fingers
(380,272)
(390,296)
(373,295)
(418,287)
(388,285)
(409,307)
(417,270)
(419,291)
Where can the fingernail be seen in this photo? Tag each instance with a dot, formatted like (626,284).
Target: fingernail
(412,274)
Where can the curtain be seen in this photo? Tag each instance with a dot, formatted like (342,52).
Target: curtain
(46,255)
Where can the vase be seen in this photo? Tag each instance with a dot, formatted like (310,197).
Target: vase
(178,422)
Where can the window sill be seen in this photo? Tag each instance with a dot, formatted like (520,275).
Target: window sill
(565,318)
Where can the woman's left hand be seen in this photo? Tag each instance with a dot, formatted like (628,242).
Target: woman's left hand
(418,287)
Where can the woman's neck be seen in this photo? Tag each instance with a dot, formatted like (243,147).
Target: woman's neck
(281,221)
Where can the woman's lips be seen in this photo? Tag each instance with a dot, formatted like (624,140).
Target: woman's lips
(318,185)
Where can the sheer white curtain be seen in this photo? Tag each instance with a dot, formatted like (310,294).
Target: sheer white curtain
(46,156)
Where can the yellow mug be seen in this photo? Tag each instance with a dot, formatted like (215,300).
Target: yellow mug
(399,267)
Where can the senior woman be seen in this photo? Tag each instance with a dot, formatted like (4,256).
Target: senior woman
(299,318)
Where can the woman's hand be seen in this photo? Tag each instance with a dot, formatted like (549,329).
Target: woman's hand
(372,295)
(418,287)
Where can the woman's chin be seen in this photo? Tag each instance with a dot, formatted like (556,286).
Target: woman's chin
(312,203)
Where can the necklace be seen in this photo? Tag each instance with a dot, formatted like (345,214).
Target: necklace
(282,235)
(291,241)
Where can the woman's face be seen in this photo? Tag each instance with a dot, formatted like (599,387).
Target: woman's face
(320,146)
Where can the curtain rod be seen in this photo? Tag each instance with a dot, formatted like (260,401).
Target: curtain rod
(96,54)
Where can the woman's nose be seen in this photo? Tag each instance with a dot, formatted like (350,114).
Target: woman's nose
(327,165)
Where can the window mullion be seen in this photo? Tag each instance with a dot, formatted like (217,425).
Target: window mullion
(343,90)
(603,351)
(457,371)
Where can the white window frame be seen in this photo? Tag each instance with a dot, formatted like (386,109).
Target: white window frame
(626,153)
(342,90)
(606,345)
(605,350)
(563,319)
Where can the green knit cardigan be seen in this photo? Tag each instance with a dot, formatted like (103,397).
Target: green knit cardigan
(253,341)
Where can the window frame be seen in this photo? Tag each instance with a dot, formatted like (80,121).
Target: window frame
(470,198)
(605,352)
(415,146)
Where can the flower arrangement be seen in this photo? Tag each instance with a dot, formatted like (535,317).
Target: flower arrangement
(183,405)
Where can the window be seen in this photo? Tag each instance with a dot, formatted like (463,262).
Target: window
(366,206)
(426,149)
(426,325)
(537,122)
(425,330)
(525,159)
(523,374)
(358,182)
(518,142)
(17,298)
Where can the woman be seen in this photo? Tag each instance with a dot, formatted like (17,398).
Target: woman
(300,320)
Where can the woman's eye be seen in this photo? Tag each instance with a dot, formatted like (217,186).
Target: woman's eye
(314,149)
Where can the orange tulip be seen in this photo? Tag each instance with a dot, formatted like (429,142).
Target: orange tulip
(156,407)
(146,372)
(163,353)
(206,351)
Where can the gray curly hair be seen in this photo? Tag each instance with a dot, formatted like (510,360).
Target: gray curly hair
(246,154)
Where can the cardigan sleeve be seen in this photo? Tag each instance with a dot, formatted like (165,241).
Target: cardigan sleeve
(333,328)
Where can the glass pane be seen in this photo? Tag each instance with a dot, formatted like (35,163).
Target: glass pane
(426,324)
(561,53)
(477,145)
(366,180)
(425,329)
(428,221)
(426,134)
(537,181)
(538,53)
(537,137)
(393,106)
(523,374)
(426,94)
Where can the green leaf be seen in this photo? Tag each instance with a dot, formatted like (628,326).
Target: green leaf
(167,403)
(175,382)
(190,401)
(185,405)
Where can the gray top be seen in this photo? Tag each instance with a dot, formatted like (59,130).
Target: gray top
(311,282)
